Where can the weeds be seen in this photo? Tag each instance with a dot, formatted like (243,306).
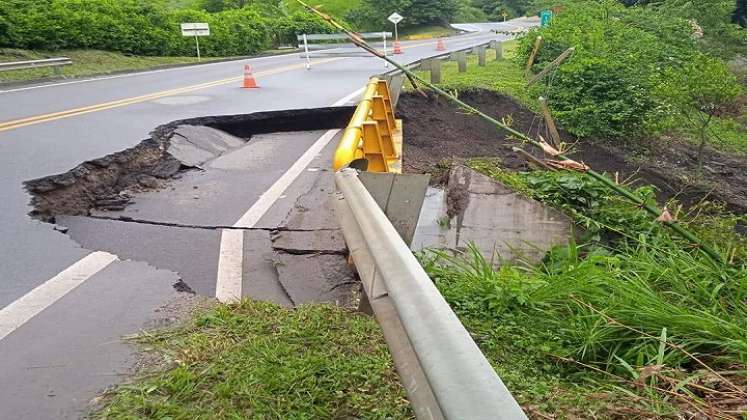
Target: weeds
(628,309)
(258,360)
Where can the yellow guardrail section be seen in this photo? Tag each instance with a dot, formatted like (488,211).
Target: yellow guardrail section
(373,134)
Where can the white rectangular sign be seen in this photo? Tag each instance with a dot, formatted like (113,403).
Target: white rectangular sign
(195,29)
(395,18)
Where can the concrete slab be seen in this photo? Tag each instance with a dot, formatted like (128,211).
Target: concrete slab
(316,278)
(260,278)
(312,241)
(192,253)
(474,209)
(219,195)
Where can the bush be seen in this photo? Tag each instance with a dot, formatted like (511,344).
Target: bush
(611,86)
(143,27)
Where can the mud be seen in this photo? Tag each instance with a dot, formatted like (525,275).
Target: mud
(439,135)
(109,183)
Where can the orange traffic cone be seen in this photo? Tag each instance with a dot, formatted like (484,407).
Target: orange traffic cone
(440,45)
(249,82)
(397,48)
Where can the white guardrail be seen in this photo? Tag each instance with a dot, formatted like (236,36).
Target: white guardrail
(444,372)
(31,64)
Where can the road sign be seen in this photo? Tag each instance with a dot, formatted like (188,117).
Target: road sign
(195,29)
(395,18)
(545,17)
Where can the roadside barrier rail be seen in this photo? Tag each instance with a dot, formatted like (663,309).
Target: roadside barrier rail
(30,64)
(460,378)
(373,138)
(445,374)
(339,45)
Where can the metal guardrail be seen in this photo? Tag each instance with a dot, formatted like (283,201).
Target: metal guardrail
(31,64)
(444,372)
(460,378)
(373,137)
(325,45)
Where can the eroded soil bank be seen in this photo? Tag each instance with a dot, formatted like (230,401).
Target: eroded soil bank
(437,134)
(109,182)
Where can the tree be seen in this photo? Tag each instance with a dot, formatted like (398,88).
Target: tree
(701,91)
(372,14)
(740,14)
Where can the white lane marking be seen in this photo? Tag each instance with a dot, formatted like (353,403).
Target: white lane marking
(32,303)
(230,263)
(229,279)
(268,198)
(142,73)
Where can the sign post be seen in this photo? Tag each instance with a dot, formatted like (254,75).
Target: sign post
(196,30)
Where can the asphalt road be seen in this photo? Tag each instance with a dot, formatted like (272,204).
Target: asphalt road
(63,307)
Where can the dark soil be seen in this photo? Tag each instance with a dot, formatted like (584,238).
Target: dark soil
(438,135)
(108,183)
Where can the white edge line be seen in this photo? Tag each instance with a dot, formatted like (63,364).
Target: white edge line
(32,303)
(229,278)
(228,286)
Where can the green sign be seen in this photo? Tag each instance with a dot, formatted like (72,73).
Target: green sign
(545,17)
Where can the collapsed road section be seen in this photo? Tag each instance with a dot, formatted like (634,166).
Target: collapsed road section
(108,183)
(167,200)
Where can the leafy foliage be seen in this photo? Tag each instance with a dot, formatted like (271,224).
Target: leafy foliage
(612,85)
(372,14)
(143,27)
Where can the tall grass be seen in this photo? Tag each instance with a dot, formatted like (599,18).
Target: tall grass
(628,301)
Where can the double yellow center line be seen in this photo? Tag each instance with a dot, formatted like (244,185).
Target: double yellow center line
(37,119)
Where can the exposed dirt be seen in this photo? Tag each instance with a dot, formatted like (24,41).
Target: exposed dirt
(109,182)
(436,131)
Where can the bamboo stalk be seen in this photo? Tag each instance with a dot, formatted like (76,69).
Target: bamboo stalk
(414,79)
(554,134)
(533,55)
(555,63)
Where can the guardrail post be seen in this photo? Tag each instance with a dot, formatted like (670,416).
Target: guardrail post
(461,59)
(435,68)
(481,56)
(498,47)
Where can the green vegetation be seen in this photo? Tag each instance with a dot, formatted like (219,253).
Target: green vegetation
(146,28)
(338,8)
(425,31)
(85,63)
(502,76)
(258,360)
(632,315)
(639,71)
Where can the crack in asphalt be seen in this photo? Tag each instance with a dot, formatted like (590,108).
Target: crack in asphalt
(127,219)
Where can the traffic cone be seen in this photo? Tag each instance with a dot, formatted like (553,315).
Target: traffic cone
(397,48)
(249,82)
(440,45)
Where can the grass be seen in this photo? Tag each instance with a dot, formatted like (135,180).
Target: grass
(337,8)
(258,360)
(85,63)
(629,322)
(502,76)
(425,32)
